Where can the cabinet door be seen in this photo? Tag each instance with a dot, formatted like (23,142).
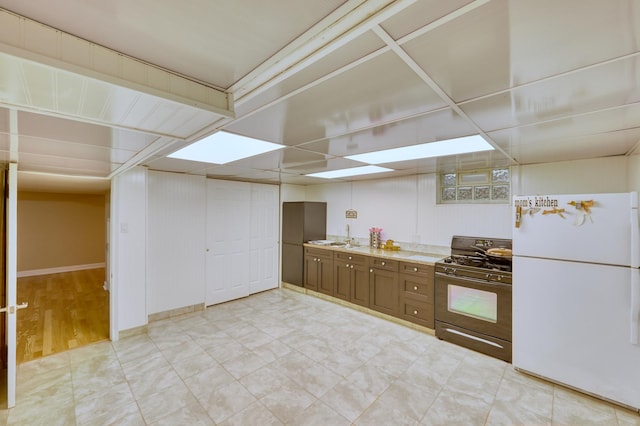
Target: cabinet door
(360,285)
(384,291)
(342,280)
(311,267)
(325,275)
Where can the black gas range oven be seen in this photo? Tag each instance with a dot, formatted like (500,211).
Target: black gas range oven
(473,296)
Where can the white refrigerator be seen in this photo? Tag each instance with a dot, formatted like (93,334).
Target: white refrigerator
(576,292)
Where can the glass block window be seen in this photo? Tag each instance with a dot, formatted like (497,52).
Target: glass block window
(478,186)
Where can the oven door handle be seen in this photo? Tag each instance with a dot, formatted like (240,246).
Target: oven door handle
(477,339)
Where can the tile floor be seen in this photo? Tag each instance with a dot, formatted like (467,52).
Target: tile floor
(282,357)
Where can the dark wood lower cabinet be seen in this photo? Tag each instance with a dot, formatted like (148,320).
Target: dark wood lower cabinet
(417,294)
(383,287)
(350,272)
(318,270)
(400,289)
(341,280)
(360,285)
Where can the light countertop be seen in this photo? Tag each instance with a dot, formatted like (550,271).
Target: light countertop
(400,255)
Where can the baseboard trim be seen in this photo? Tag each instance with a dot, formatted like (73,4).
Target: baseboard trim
(158,316)
(47,271)
(132,331)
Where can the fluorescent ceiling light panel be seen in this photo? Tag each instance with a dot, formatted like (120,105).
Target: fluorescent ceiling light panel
(463,145)
(354,171)
(224,147)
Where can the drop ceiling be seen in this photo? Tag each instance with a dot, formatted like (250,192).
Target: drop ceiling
(90,89)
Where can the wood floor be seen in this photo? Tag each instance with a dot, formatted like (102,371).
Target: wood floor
(66,310)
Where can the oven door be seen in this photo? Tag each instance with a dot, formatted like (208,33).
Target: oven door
(474,313)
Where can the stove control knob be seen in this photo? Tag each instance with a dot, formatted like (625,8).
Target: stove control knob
(499,278)
(489,276)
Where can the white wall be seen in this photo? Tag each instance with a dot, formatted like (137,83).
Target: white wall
(405,207)
(633,178)
(609,174)
(128,250)
(176,241)
(292,192)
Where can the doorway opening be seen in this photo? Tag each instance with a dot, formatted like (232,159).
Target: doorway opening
(62,246)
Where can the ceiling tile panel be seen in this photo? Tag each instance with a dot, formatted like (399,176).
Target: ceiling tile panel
(64,165)
(31,145)
(470,56)
(419,14)
(539,136)
(573,93)
(380,90)
(430,127)
(507,43)
(575,148)
(549,37)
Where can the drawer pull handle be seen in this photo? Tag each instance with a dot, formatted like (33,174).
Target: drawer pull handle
(350,257)
(370,270)
(415,312)
(415,287)
(347,265)
(415,269)
(351,266)
(383,263)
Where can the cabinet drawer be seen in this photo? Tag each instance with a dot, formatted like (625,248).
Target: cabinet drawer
(319,253)
(420,288)
(386,264)
(416,269)
(356,259)
(417,312)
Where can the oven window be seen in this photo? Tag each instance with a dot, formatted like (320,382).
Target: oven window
(473,303)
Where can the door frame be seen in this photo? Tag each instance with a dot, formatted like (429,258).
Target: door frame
(11,280)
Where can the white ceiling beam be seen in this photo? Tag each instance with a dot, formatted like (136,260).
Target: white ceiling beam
(346,23)
(36,42)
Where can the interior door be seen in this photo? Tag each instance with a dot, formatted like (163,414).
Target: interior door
(228,241)
(10,309)
(265,201)
(3,280)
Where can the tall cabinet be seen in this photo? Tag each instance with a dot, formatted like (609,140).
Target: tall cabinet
(302,221)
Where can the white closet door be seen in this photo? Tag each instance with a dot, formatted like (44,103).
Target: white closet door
(175,250)
(227,233)
(264,260)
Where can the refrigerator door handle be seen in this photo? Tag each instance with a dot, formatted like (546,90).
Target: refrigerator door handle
(635,306)
(635,232)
